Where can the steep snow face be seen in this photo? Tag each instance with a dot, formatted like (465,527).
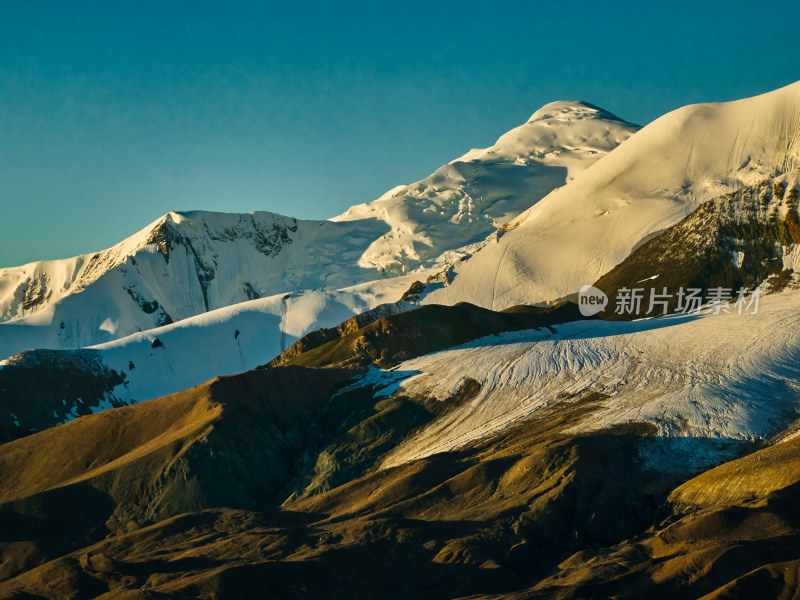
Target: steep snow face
(650,182)
(463,202)
(741,382)
(182,265)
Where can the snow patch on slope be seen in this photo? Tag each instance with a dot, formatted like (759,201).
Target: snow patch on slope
(740,383)
(234,338)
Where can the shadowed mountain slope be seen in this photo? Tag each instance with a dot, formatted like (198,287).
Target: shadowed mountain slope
(731,532)
(493,516)
(739,240)
(389,340)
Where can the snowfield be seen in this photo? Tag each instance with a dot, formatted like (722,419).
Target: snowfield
(233,339)
(718,378)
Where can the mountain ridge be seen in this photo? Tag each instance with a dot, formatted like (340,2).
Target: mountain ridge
(653,180)
(189,262)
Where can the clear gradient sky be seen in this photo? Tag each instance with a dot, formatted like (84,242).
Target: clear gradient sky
(113,113)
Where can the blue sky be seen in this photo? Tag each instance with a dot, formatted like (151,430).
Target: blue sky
(113,113)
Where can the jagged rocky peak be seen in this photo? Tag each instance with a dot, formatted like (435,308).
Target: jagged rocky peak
(267,232)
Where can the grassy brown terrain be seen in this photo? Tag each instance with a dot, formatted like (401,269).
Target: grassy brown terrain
(732,532)
(491,518)
(266,485)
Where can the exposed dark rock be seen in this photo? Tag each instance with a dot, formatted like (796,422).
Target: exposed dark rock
(150,307)
(413,293)
(42,388)
(36,292)
(699,252)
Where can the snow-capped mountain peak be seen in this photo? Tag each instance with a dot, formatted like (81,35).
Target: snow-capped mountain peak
(28,289)
(565,133)
(181,265)
(482,190)
(572,110)
(190,262)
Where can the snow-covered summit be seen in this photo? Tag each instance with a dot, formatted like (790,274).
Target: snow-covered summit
(572,110)
(482,190)
(568,133)
(181,265)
